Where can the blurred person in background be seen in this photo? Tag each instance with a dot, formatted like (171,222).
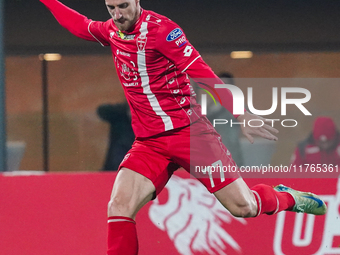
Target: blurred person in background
(121,135)
(322,146)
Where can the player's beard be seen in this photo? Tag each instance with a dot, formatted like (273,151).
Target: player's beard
(125,24)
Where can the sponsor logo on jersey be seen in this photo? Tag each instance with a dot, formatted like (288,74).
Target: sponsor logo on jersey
(174,34)
(181,41)
(187,51)
(123,36)
(127,72)
(123,53)
(132,84)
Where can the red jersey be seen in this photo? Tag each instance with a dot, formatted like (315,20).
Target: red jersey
(152,61)
(311,154)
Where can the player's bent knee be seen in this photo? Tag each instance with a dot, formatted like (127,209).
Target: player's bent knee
(244,211)
(120,206)
(238,199)
(243,208)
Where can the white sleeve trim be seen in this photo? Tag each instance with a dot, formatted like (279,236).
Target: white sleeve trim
(119,220)
(259,203)
(191,63)
(88,28)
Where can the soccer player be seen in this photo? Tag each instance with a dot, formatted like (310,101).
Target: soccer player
(153,59)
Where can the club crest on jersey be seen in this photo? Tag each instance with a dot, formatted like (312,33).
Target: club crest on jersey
(174,34)
(123,36)
(141,42)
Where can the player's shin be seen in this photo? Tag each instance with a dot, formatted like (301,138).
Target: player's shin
(122,236)
(270,201)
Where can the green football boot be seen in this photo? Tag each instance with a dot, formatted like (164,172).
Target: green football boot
(305,202)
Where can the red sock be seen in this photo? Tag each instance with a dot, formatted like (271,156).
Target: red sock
(269,201)
(122,236)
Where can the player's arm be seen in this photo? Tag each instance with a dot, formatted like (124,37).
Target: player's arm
(76,23)
(202,74)
(207,79)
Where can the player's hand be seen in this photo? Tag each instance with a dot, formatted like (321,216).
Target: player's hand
(257,129)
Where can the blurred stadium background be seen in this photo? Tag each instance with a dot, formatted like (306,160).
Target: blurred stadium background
(289,39)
